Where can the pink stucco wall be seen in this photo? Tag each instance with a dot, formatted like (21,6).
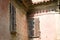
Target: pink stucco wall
(4,20)
(49,26)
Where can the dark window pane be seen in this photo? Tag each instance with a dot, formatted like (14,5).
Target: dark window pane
(12,19)
(33,25)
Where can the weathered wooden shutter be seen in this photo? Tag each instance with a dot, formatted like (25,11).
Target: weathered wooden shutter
(33,24)
(12,19)
(36,27)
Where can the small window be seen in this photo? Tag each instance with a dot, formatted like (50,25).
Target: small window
(12,19)
(33,25)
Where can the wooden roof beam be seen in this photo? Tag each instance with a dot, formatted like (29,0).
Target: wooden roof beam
(25,4)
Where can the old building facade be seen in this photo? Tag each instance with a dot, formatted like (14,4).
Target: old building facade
(26,20)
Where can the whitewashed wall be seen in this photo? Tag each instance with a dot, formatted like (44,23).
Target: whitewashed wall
(49,26)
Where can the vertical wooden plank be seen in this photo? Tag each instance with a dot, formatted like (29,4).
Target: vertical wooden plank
(36,27)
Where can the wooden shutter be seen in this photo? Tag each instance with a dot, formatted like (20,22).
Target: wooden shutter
(12,19)
(36,27)
(33,26)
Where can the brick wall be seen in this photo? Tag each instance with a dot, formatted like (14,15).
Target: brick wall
(4,20)
(21,25)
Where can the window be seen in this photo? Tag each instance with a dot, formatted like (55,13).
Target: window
(12,19)
(36,27)
(33,24)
